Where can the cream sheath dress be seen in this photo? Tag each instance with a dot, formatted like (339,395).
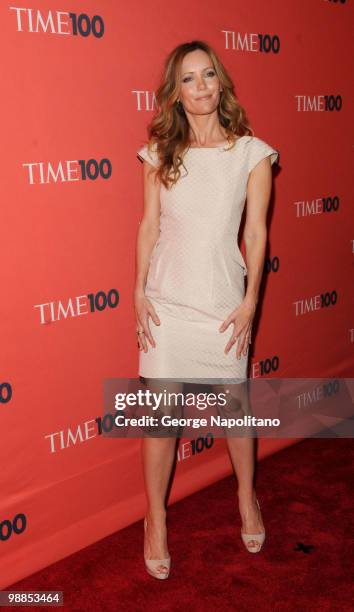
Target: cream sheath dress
(196,273)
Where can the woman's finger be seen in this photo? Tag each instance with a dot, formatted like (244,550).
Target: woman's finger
(247,342)
(141,336)
(147,331)
(142,342)
(232,340)
(241,345)
(244,342)
(154,315)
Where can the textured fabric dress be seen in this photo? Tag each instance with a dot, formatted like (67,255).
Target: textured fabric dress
(197,272)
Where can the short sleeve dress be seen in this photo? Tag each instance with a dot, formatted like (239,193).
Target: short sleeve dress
(197,272)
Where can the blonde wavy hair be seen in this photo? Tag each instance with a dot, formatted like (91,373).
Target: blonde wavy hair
(168,131)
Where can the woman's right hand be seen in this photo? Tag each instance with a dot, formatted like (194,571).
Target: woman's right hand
(144,308)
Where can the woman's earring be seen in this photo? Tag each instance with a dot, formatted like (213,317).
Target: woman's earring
(179,105)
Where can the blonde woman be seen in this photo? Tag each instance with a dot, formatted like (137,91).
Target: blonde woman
(194,317)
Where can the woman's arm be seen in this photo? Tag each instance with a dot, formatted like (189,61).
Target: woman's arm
(259,188)
(149,227)
(148,233)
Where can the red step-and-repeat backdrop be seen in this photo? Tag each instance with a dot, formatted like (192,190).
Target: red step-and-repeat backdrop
(78,89)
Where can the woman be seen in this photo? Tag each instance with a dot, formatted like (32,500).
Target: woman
(200,165)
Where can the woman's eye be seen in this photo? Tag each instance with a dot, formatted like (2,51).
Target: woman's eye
(210,73)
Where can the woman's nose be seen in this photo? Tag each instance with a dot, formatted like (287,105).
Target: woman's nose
(201,85)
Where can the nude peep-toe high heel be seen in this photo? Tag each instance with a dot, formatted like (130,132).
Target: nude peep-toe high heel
(249,538)
(158,568)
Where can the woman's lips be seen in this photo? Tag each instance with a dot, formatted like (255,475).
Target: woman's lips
(204,98)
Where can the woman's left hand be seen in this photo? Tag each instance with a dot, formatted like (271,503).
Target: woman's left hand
(241,318)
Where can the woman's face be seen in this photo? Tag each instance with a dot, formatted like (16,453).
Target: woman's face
(199,84)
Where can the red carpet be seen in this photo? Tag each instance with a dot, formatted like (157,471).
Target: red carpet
(305,564)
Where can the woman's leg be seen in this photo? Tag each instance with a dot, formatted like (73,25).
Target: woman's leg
(241,449)
(158,455)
